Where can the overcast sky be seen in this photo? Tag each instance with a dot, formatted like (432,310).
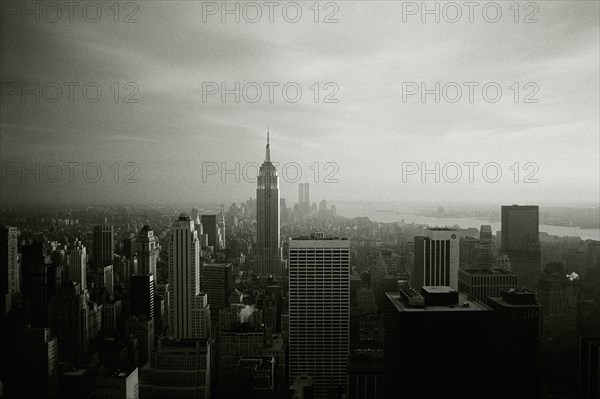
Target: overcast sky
(369,133)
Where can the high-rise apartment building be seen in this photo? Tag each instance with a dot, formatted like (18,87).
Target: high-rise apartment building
(436,259)
(319,311)
(268,245)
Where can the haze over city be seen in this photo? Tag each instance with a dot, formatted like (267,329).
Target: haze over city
(366,135)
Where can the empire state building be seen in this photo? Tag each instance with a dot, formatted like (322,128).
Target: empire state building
(268,246)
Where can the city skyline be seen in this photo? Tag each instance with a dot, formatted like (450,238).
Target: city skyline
(287,200)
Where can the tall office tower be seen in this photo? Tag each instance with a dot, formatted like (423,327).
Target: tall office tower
(108,279)
(39,283)
(37,363)
(589,368)
(77,260)
(517,325)
(211,229)
(10,273)
(268,246)
(483,283)
(304,197)
(430,340)
(221,227)
(189,312)
(142,329)
(141,295)
(162,289)
(69,322)
(146,251)
(177,369)
(485,234)
(366,375)
(118,384)
(112,318)
(436,259)
(521,242)
(218,283)
(319,311)
(104,245)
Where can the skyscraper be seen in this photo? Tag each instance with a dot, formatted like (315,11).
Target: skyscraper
(142,295)
(69,322)
(217,282)
(177,369)
(268,246)
(9,267)
(319,311)
(303,197)
(211,229)
(189,314)
(517,325)
(436,348)
(589,367)
(436,258)
(146,251)
(521,242)
(77,264)
(104,245)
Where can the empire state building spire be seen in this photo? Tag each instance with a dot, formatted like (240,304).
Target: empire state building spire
(268,155)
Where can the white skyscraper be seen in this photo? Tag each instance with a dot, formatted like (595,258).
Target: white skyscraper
(189,313)
(436,259)
(319,311)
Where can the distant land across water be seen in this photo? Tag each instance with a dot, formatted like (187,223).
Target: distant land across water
(385,213)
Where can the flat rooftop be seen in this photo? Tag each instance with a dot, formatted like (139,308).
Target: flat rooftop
(473,305)
(484,272)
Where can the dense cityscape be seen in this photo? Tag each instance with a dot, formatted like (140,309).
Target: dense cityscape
(348,199)
(266,300)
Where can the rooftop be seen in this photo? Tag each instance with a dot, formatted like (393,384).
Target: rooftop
(486,271)
(464,305)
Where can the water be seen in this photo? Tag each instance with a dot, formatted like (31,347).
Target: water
(412,216)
